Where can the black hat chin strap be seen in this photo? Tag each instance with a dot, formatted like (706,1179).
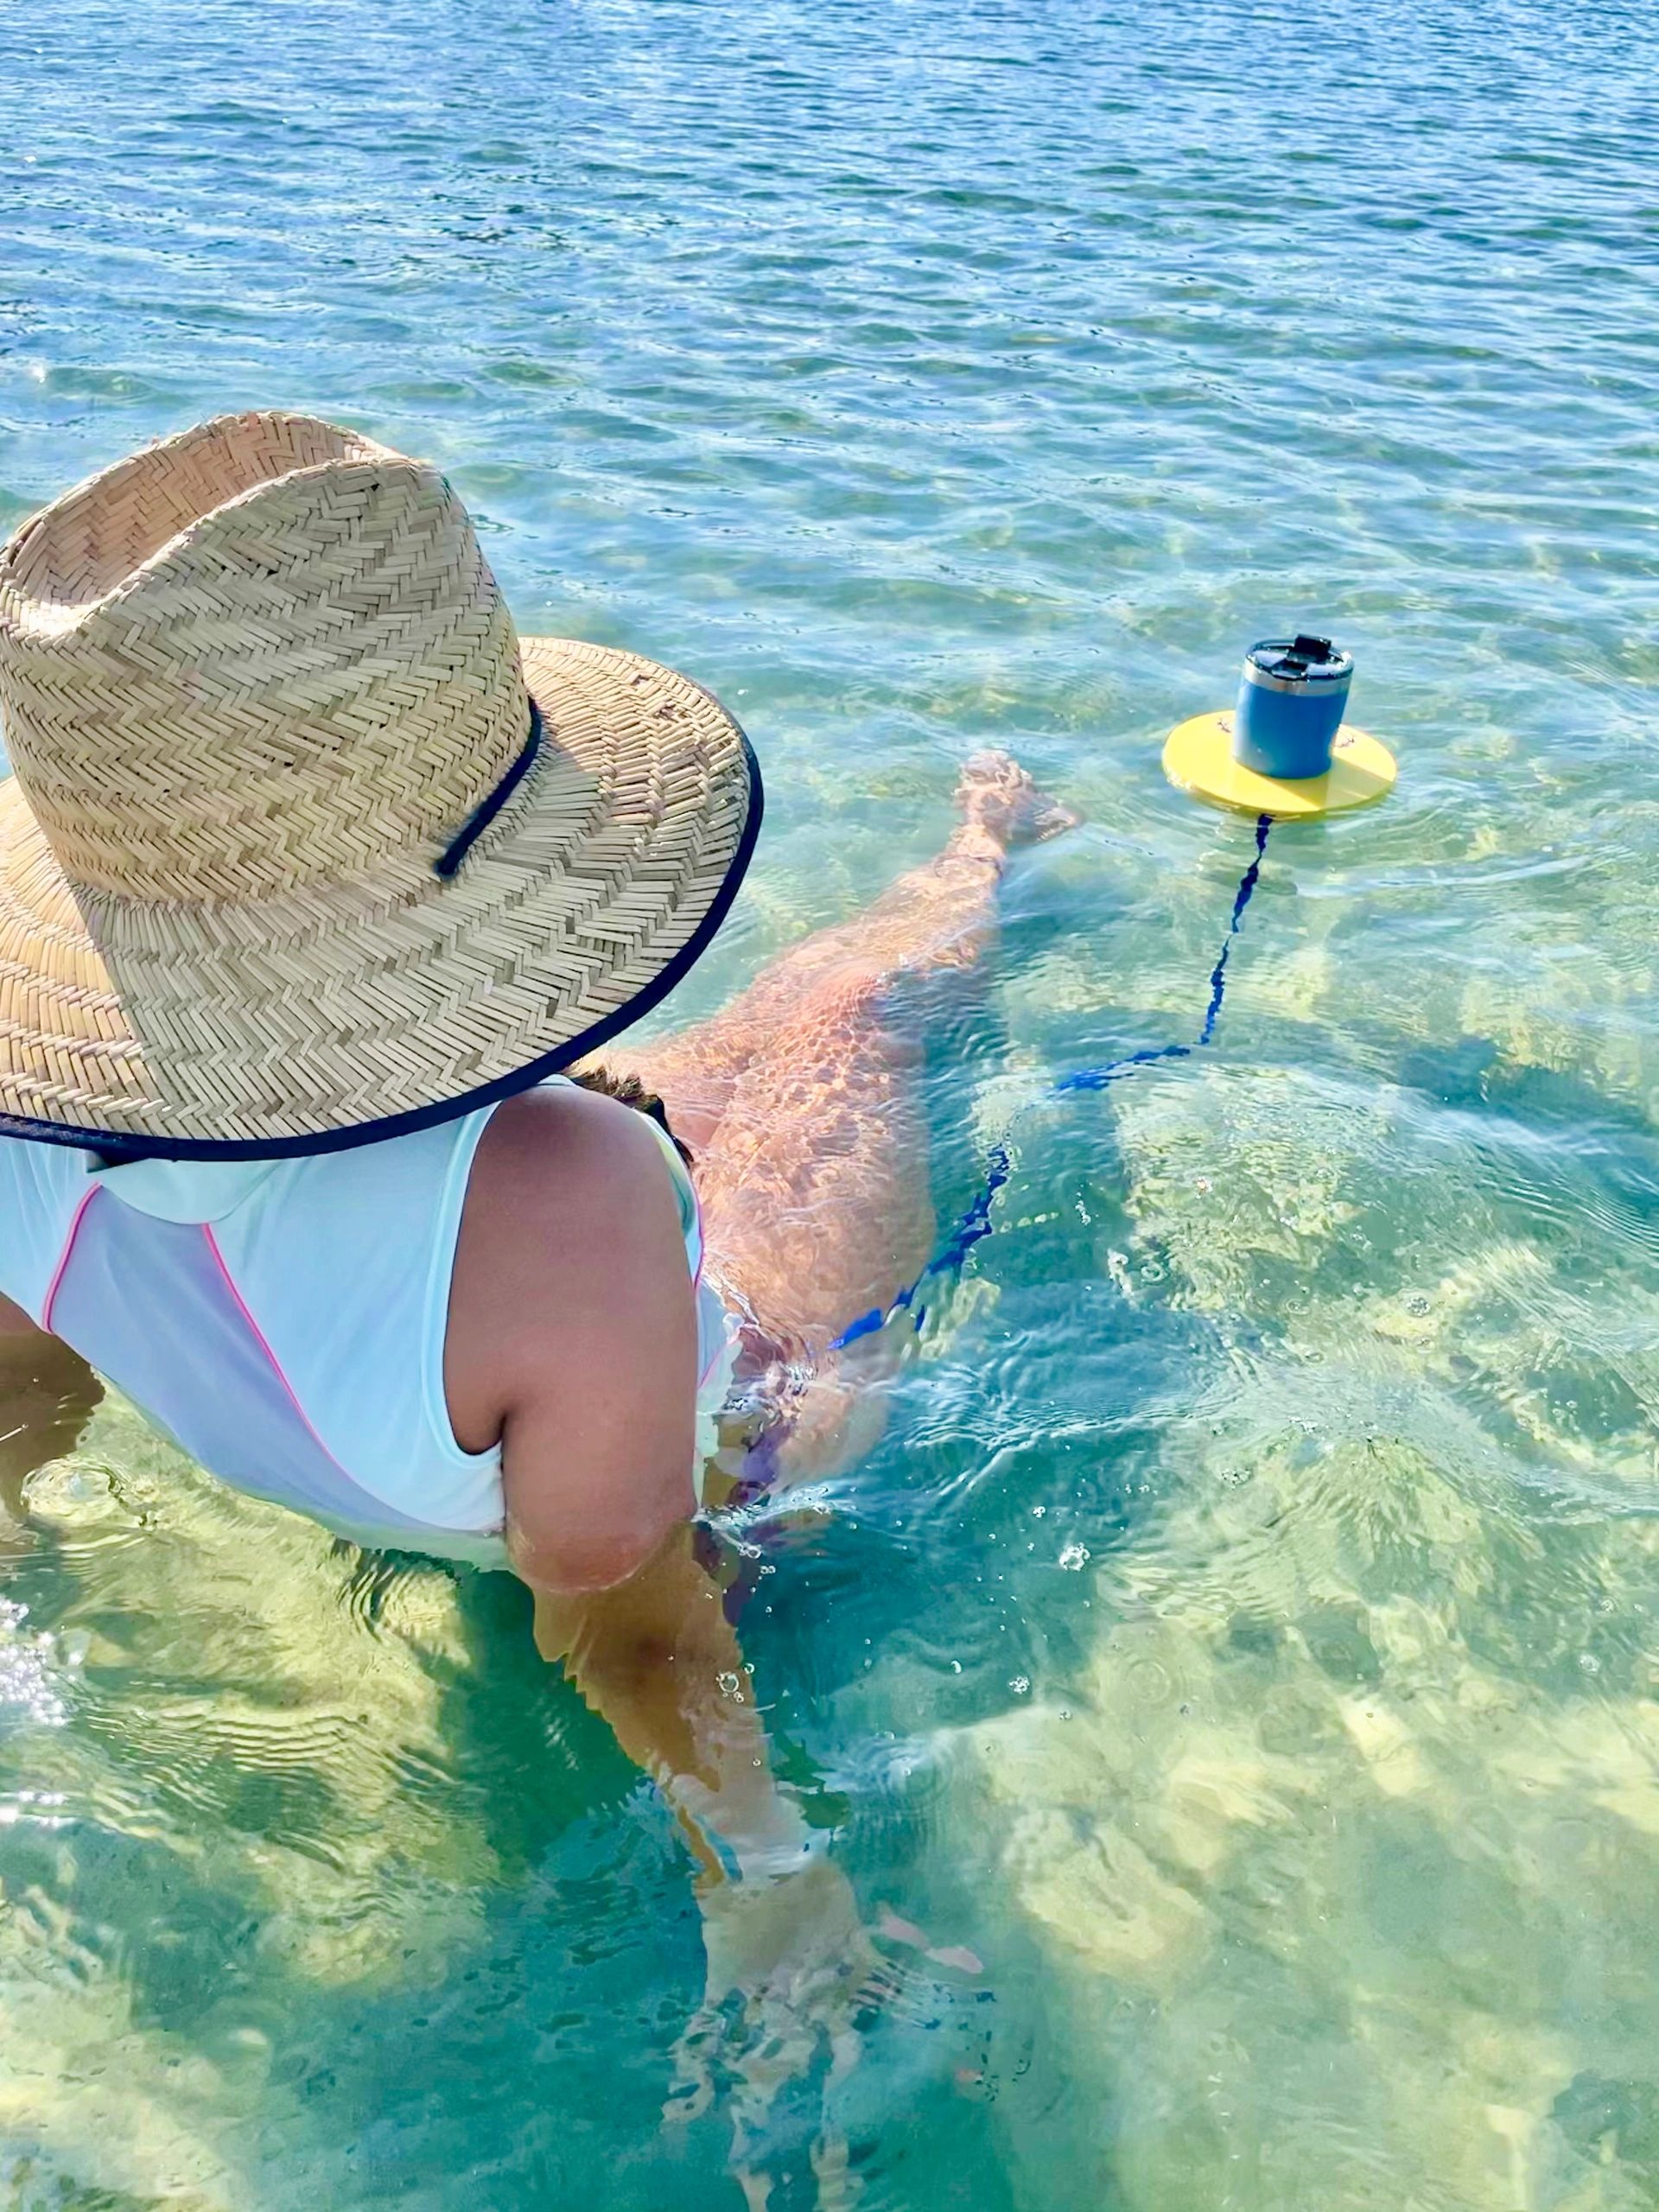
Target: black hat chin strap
(492,804)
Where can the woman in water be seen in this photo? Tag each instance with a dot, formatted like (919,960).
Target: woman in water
(314,880)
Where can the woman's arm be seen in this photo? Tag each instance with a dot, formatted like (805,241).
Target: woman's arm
(573,1326)
(658,1658)
(46,1392)
(573,1331)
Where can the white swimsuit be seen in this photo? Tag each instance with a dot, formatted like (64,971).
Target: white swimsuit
(284,1320)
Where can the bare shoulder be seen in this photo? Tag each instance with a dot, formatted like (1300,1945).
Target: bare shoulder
(569,1194)
(553,1152)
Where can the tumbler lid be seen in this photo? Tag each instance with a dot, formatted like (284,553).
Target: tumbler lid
(1288,664)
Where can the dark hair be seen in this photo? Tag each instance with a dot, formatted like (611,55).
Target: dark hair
(628,1091)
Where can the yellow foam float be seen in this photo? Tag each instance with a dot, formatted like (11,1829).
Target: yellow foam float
(1198,758)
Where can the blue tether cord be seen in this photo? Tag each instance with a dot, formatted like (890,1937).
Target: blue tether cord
(975,1223)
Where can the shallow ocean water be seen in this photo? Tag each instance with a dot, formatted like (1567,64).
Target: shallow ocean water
(1246,1638)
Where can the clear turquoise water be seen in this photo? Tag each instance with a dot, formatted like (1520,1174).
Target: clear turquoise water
(922,375)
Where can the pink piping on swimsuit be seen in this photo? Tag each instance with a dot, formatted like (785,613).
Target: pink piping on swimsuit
(51,1298)
(151,1304)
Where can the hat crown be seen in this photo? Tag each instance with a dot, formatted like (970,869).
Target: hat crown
(264,652)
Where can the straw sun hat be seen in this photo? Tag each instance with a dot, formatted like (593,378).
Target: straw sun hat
(304,847)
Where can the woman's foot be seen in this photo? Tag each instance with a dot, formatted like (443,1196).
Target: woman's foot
(1000,804)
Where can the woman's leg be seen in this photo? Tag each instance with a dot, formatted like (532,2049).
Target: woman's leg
(800,1102)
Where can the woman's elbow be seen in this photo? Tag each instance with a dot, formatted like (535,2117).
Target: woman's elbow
(582,1562)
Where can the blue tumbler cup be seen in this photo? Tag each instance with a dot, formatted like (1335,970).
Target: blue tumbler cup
(1290,706)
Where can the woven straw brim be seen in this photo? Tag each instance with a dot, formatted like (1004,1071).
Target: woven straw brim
(348,1010)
